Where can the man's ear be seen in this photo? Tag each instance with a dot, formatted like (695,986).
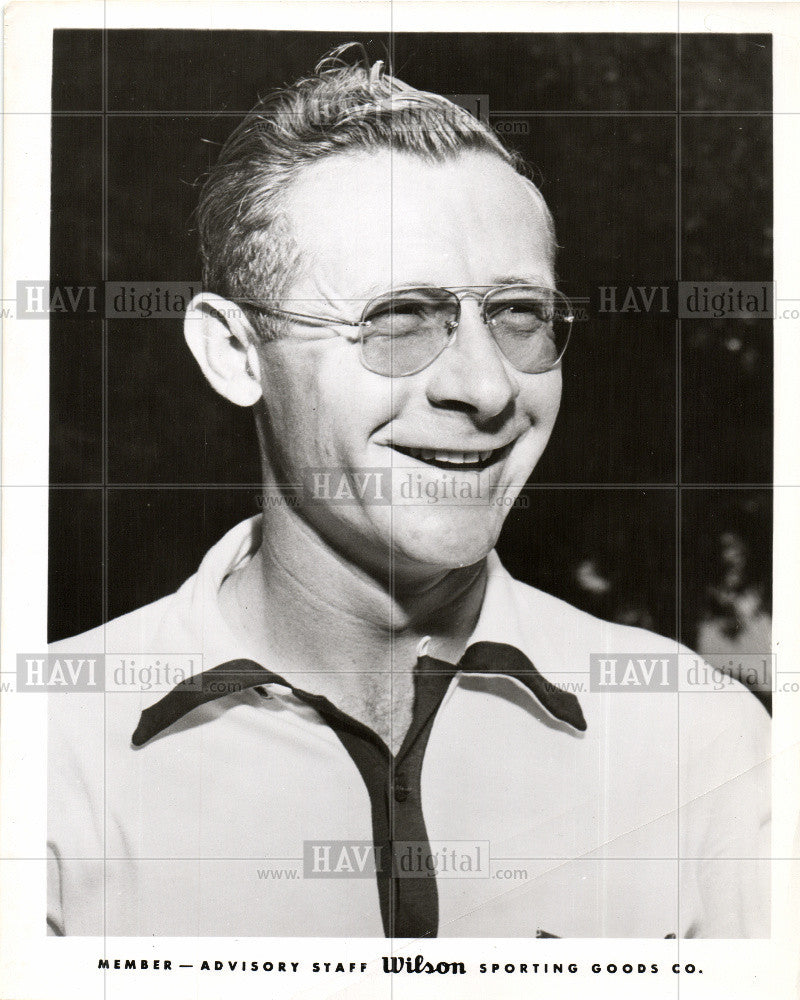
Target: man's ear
(219,335)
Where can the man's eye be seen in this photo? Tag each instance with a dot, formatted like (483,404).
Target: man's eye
(521,315)
(407,308)
(401,316)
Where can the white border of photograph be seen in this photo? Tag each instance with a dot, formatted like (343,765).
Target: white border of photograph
(35,967)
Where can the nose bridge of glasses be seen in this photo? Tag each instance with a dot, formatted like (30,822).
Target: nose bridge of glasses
(486,338)
(478,295)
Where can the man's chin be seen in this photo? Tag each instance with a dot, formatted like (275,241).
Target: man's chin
(444,538)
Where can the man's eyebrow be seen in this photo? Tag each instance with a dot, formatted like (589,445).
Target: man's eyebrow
(536,279)
(540,280)
(513,279)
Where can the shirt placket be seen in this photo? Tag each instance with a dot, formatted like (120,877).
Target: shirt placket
(409,900)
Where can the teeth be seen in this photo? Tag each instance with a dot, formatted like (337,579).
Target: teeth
(451,457)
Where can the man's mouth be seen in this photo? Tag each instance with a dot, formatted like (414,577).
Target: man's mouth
(455,460)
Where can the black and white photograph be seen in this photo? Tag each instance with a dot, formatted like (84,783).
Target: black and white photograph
(407,552)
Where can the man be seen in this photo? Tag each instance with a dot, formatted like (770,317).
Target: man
(380,707)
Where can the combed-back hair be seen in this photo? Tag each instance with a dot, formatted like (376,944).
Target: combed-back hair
(246,243)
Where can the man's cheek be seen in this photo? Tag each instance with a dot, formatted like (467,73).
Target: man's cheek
(543,400)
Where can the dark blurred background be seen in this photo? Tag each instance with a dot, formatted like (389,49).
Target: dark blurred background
(652,504)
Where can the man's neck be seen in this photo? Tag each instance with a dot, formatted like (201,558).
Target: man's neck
(332,629)
(303,606)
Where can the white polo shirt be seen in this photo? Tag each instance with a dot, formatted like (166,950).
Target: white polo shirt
(252,813)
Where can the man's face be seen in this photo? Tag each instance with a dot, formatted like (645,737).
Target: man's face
(364,224)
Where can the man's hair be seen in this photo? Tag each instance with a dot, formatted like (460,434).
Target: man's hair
(246,243)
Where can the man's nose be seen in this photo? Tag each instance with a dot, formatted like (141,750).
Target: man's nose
(471,373)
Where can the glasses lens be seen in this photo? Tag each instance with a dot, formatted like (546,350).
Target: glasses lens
(405,330)
(531,326)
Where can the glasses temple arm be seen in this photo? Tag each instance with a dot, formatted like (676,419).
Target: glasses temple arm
(275,311)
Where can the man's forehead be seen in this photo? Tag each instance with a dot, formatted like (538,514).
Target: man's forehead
(390,212)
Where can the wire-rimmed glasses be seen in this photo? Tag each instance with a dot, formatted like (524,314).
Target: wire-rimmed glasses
(403,331)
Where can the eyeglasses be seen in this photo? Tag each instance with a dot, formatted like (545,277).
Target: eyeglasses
(405,330)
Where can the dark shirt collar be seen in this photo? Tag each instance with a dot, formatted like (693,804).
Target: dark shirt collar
(239,675)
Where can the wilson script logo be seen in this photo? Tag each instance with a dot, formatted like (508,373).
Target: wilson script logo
(394,964)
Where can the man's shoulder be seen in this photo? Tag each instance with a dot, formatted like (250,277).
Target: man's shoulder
(141,655)
(127,633)
(567,624)
(128,652)
(78,722)
(715,709)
